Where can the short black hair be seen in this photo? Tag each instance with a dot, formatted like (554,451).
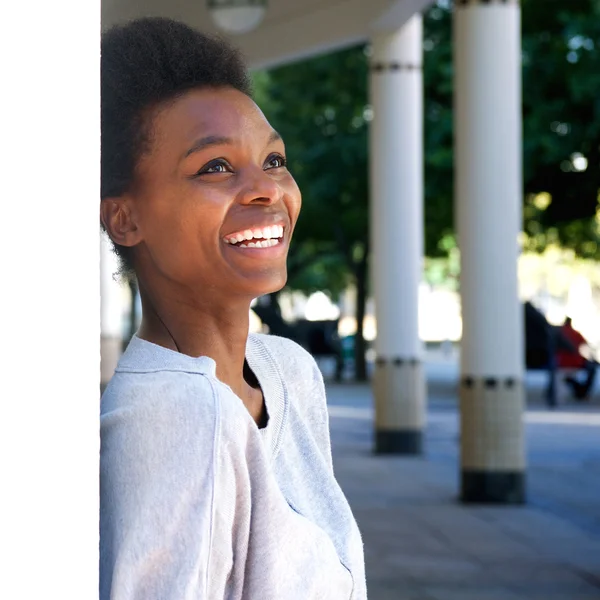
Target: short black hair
(144,64)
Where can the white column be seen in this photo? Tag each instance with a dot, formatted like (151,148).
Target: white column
(111,292)
(488,208)
(113,303)
(50,302)
(396,176)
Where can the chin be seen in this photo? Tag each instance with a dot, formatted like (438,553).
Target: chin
(274,284)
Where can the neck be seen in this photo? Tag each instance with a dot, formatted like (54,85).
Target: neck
(195,327)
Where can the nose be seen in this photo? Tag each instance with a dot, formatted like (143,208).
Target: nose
(260,187)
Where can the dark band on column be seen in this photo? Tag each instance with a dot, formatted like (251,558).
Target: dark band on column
(381,67)
(492,487)
(397,361)
(390,441)
(489,383)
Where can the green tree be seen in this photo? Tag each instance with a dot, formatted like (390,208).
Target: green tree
(561,111)
(561,125)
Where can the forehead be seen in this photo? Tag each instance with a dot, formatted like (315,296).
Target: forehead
(206,112)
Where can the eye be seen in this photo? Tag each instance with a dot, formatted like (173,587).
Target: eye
(219,165)
(275,161)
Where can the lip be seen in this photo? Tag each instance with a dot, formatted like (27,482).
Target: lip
(272,252)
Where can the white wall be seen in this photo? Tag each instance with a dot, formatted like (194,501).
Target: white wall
(49,264)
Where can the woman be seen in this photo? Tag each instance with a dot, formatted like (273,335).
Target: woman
(216,473)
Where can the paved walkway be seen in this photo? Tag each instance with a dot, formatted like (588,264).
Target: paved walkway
(421,544)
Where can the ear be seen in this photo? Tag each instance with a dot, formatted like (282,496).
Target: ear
(118,219)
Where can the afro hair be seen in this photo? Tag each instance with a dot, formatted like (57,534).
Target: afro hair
(144,64)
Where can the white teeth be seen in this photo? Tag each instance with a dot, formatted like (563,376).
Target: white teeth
(263,244)
(271,233)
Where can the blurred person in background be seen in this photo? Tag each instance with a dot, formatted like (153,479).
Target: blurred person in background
(576,359)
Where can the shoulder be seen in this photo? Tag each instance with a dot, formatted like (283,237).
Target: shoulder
(152,420)
(175,407)
(170,430)
(158,393)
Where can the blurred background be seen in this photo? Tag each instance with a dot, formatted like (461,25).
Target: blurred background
(424,539)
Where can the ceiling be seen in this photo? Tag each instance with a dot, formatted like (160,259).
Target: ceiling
(291,30)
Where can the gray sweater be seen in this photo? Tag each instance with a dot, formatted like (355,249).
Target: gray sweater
(199,503)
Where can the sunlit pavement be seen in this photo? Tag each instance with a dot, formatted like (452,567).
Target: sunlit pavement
(422,544)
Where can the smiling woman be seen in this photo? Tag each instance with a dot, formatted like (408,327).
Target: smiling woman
(216,471)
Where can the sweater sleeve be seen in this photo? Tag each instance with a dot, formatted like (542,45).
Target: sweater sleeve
(159,456)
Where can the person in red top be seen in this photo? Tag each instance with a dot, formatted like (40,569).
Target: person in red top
(575,360)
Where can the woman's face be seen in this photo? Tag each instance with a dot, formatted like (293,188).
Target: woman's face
(213,201)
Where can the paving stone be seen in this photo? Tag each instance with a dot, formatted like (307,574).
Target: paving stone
(396,590)
(470,593)
(539,576)
(432,568)
(422,544)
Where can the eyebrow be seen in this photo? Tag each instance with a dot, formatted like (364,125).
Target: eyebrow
(205,142)
(274,137)
(216,140)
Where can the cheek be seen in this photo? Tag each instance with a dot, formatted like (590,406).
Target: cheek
(186,212)
(293,200)
(164,221)
(176,226)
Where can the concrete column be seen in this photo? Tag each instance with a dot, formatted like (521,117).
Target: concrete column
(488,199)
(396,174)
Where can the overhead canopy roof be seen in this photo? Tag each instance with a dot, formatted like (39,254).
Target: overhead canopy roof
(291,30)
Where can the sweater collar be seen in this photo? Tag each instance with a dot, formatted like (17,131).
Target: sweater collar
(142,356)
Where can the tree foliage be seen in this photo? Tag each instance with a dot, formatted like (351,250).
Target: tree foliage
(561,125)
(561,111)
(321,108)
